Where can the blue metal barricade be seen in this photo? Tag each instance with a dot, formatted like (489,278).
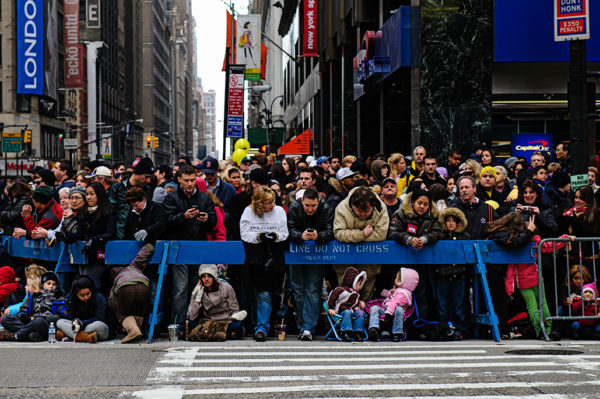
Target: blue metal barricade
(168,253)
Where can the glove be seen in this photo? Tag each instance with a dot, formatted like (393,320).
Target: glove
(271,236)
(141,235)
(87,246)
(76,325)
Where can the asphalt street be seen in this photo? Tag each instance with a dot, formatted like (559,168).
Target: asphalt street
(294,369)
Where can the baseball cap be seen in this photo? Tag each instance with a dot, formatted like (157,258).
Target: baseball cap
(387,180)
(344,173)
(322,159)
(210,165)
(100,171)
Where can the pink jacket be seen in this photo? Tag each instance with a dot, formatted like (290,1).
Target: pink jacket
(526,274)
(219,233)
(401,295)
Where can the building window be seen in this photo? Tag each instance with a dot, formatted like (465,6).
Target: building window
(23,103)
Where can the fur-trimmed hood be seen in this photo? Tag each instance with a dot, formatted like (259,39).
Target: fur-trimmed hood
(352,277)
(409,278)
(335,185)
(409,211)
(456,214)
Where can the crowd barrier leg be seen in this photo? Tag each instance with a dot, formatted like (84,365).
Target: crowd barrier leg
(162,272)
(489,319)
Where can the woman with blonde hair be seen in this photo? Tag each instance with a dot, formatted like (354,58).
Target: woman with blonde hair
(348,161)
(233,176)
(263,228)
(472,167)
(399,172)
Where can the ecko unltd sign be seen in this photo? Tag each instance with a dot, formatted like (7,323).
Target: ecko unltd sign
(30,46)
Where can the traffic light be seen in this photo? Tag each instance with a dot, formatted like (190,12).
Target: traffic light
(149,142)
(155,142)
(264,149)
(26,136)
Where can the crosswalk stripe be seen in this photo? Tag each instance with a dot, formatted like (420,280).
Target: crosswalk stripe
(385,387)
(350,359)
(345,353)
(538,396)
(343,346)
(367,366)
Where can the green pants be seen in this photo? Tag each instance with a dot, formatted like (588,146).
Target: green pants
(532,302)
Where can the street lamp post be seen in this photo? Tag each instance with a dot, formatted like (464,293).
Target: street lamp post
(269,121)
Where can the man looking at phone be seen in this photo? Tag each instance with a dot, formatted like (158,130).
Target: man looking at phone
(309,219)
(190,216)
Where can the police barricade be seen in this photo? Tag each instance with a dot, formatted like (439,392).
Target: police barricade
(561,259)
(167,253)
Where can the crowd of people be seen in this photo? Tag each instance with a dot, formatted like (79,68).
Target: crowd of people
(414,200)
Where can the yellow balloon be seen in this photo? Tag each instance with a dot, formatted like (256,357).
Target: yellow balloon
(242,144)
(238,156)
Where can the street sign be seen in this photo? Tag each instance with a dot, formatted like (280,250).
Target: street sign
(235,101)
(11,142)
(571,20)
(70,144)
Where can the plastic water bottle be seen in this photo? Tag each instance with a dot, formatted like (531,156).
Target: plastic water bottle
(51,333)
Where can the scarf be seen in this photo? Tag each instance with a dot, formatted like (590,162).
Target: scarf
(574,210)
(92,209)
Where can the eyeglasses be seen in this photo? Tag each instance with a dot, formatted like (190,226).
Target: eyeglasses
(37,181)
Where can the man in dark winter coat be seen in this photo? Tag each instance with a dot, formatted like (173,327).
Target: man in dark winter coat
(310,219)
(558,194)
(478,213)
(47,215)
(430,175)
(142,173)
(146,221)
(190,216)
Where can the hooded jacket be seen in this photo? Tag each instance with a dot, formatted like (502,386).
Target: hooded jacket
(376,167)
(401,295)
(348,228)
(406,224)
(116,195)
(8,285)
(452,271)
(579,306)
(336,193)
(48,218)
(346,296)
(217,304)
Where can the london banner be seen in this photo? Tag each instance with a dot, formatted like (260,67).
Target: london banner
(30,46)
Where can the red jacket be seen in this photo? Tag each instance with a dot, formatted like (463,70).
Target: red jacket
(526,274)
(218,233)
(48,218)
(7,283)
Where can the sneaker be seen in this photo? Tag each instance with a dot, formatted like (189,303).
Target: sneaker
(346,337)
(358,336)
(260,336)
(306,336)
(397,337)
(374,334)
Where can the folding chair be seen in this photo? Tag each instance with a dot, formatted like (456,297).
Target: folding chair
(334,323)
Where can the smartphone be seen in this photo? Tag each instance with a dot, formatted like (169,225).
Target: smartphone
(202,214)
(195,206)
(310,230)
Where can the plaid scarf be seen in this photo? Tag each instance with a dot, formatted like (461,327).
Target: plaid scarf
(574,210)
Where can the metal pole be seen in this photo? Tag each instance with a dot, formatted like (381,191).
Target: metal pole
(578,107)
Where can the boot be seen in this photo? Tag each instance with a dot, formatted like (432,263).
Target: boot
(7,336)
(60,335)
(194,334)
(132,329)
(91,338)
(139,320)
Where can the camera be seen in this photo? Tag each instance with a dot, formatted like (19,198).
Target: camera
(525,208)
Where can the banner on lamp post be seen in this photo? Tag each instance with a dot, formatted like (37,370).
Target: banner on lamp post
(30,46)
(73,49)
(247,44)
(310,42)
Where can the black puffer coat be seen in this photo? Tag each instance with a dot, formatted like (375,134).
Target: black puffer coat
(406,224)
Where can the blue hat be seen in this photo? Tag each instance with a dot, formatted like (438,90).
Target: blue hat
(210,165)
(322,159)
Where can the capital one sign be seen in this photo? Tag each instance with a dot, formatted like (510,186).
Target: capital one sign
(30,46)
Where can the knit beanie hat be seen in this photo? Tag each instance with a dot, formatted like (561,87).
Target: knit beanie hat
(490,170)
(144,167)
(77,190)
(208,269)
(49,276)
(43,194)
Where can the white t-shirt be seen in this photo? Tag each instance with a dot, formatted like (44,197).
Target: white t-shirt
(272,222)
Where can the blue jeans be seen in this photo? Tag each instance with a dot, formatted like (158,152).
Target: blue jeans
(14,324)
(352,321)
(397,323)
(184,280)
(450,296)
(263,311)
(307,283)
